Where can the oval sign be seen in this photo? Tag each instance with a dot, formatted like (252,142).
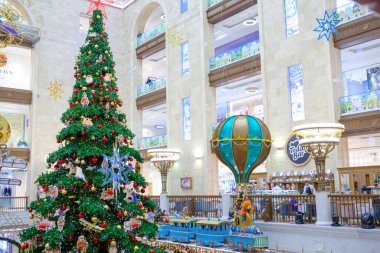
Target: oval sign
(296,154)
(3,60)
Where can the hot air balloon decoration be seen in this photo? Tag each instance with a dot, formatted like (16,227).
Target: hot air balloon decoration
(242,143)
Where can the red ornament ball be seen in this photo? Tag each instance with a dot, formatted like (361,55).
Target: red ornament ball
(25,245)
(130,158)
(99,125)
(112,131)
(92,22)
(140,204)
(146,197)
(38,204)
(39,238)
(120,104)
(119,214)
(83,133)
(30,210)
(101,76)
(58,141)
(104,59)
(104,139)
(95,239)
(142,190)
(135,185)
(70,238)
(75,67)
(113,118)
(72,105)
(104,40)
(63,207)
(94,159)
(104,224)
(74,155)
(80,215)
(88,63)
(95,117)
(101,103)
(102,33)
(86,185)
(151,251)
(75,75)
(110,191)
(133,239)
(95,39)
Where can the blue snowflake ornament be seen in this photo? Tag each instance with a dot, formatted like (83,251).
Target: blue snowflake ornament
(327,25)
(115,169)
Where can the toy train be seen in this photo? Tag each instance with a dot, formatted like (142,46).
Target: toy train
(212,233)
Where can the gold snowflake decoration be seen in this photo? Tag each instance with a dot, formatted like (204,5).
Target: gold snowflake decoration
(173,37)
(56,90)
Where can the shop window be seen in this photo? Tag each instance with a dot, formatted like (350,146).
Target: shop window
(185,58)
(291,17)
(184,6)
(186,119)
(295,82)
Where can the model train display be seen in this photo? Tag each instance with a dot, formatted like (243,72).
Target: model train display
(213,233)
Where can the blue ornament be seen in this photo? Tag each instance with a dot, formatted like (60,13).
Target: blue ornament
(115,169)
(327,25)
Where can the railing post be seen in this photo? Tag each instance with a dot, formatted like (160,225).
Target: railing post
(323,209)
(164,202)
(227,203)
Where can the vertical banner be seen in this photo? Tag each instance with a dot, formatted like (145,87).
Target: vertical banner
(297,102)
(185,58)
(186,119)
(291,17)
(184,6)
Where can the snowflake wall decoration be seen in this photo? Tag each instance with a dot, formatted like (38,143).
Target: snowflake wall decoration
(327,25)
(173,37)
(56,90)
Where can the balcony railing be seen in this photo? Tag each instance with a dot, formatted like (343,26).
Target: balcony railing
(350,208)
(237,54)
(151,87)
(151,34)
(198,206)
(213,2)
(13,204)
(152,142)
(359,103)
(351,11)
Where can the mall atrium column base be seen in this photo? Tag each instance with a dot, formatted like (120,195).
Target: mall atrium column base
(323,209)
(227,203)
(164,202)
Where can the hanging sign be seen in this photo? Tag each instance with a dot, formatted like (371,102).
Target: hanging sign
(296,154)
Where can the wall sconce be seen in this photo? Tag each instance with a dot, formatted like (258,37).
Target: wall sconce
(279,144)
(198,153)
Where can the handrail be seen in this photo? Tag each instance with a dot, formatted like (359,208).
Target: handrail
(147,88)
(351,11)
(358,103)
(152,142)
(151,34)
(213,2)
(9,204)
(237,54)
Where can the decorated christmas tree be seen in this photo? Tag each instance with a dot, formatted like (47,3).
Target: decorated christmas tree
(92,198)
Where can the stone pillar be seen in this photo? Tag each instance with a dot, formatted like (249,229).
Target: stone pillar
(323,209)
(227,203)
(164,202)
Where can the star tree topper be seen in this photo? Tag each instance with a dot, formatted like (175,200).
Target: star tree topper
(327,25)
(115,169)
(99,5)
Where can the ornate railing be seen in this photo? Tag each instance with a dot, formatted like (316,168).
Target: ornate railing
(152,142)
(11,204)
(351,11)
(284,208)
(151,34)
(363,102)
(213,2)
(349,209)
(198,206)
(237,54)
(147,88)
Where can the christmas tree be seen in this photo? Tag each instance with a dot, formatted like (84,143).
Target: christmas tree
(93,195)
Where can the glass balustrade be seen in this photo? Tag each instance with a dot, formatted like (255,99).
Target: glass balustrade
(151,34)
(363,102)
(147,88)
(351,11)
(152,142)
(213,2)
(237,54)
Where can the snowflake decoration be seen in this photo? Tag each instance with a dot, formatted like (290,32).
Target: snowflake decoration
(115,169)
(327,25)
(56,90)
(174,37)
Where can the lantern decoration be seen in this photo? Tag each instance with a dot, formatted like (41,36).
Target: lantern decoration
(242,143)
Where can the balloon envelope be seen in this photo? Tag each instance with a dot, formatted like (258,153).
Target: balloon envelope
(242,143)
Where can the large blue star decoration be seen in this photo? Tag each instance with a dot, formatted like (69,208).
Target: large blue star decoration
(327,25)
(115,169)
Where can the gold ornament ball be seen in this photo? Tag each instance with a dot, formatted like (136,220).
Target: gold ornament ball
(136,247)
(105,68)
(96,46)
(93,138)
(76,102)
(77,161)
(94,219)
(106,207)
(91,28)
(97,61)
(83,162)
(47,246)
(118,227)
(106,52)
(112,103)
(98,16)
(84,88)
(125,213)
(64,192)
(89,52)
(113,243)
(93,188)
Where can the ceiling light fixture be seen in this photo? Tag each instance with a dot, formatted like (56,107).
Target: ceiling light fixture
(163,17)
(159,127)
(251,90)
(250,22)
